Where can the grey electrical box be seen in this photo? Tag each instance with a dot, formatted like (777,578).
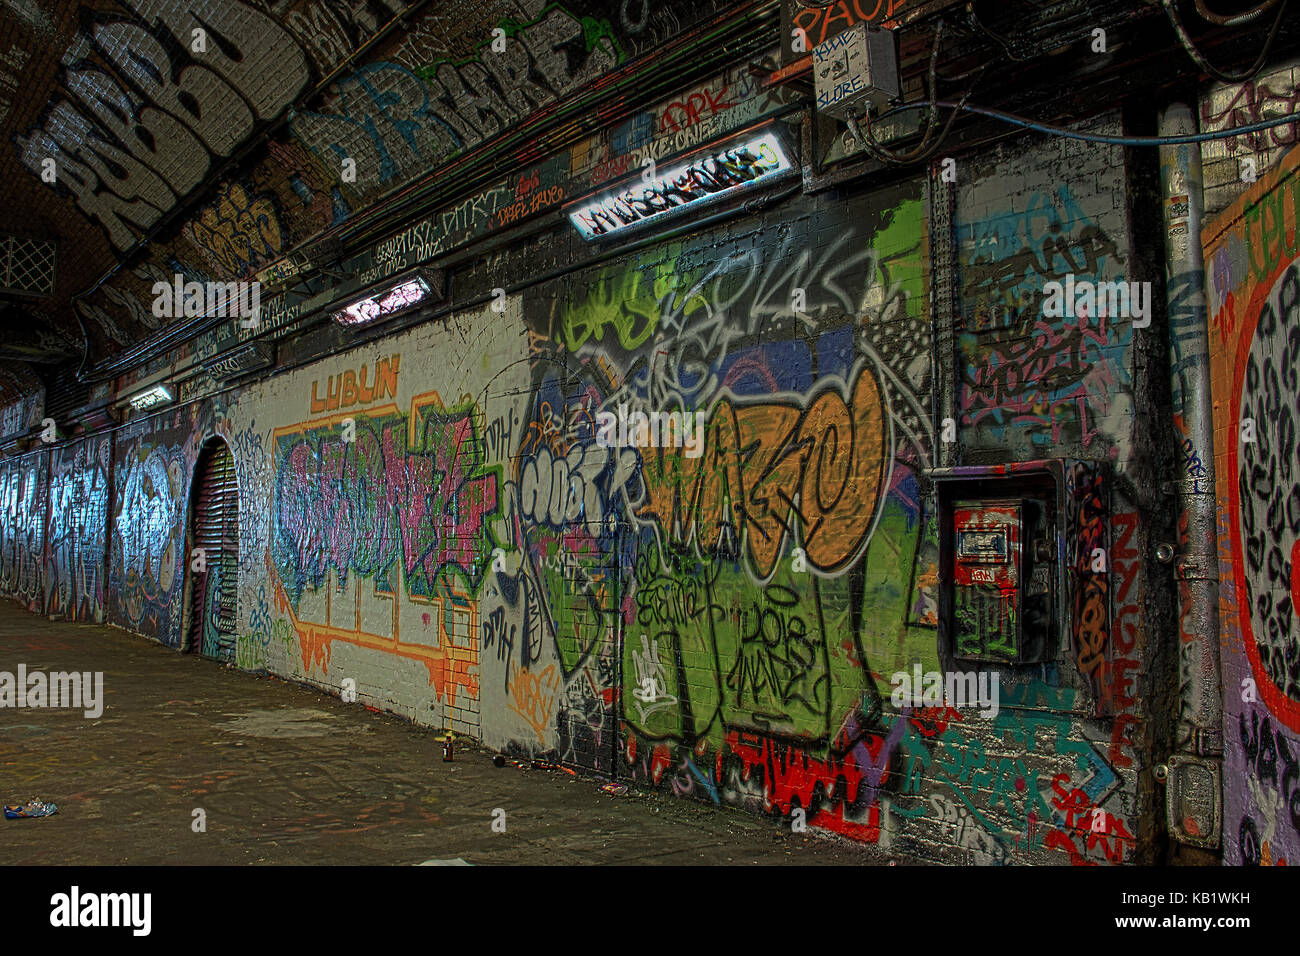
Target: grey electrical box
(1194,800)
(856,71)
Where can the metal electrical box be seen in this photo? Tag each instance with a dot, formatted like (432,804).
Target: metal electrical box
(856,71)
(1000,553)
(986,580)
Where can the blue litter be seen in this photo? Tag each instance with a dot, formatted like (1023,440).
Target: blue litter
(32,808)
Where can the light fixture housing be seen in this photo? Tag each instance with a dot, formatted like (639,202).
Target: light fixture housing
(702,178)
(152,397)
(362,312)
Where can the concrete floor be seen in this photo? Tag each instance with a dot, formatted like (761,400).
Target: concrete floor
(286,774)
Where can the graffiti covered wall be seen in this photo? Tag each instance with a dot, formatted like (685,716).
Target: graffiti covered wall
(153,466)
(78,527)
(1031,387)
(742,609)
(438,523)
(718,621)
(1233,164)
(1035,385)
(738,577)
(1252,264)
(24,483)
(432,522)
(53,528)
(374,501)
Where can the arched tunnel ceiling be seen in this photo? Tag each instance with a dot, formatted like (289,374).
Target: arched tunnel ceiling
(136,118)
(149,115)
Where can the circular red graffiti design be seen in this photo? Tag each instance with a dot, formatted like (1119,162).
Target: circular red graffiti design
(1280,703)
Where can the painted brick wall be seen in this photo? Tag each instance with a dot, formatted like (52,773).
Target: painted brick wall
(77,529)
(53,528)
(1229,165)
(24,485)
(1253,295)
(153,465)
(1029,212)
(432,521)
(374,491)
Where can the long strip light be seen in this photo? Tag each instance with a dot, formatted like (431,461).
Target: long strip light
(157,395)
(698,180)
(371,309)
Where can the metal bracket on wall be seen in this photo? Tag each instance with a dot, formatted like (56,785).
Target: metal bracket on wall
(1191,570)
(1202,741)
(944,296)
(1189,486)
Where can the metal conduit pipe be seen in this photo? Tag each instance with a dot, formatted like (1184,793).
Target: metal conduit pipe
(1194,795)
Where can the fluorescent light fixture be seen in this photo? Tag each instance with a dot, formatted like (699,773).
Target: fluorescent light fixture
(365,311)
(721,173)
(157,395)
(239,361)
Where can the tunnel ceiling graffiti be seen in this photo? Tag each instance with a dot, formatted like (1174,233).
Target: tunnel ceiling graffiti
(142,117)
(155,131)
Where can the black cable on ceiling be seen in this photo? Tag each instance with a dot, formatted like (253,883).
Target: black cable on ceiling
(1235,19)
(1171,10)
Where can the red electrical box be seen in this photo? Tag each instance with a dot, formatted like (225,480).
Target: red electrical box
(1001,568)
(986,579)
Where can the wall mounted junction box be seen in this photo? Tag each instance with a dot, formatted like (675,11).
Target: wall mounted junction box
(856,72)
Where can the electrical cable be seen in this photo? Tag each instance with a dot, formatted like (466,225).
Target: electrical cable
(1000,40)
(1027,123)
(926,148)
(1236,19)
(887,155)
(1172,12)
(921,153)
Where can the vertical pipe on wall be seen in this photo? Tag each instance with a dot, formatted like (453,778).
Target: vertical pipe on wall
(943,310)
(1194,795)
(110,489)
(43,572)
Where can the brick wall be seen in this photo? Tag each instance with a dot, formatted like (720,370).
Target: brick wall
(1253,296)
(434,521)
(1231,165)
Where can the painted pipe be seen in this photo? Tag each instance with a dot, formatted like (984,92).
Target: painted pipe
(1194,789)
(943,314)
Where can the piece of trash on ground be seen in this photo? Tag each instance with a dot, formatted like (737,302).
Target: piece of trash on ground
(614,789)
(32,808)
(543,765)
(455,861)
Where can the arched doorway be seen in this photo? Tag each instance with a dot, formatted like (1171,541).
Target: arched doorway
(214,554)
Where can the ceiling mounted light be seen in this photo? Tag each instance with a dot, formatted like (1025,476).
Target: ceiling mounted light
(151,397)
(395,299)
(694,182)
